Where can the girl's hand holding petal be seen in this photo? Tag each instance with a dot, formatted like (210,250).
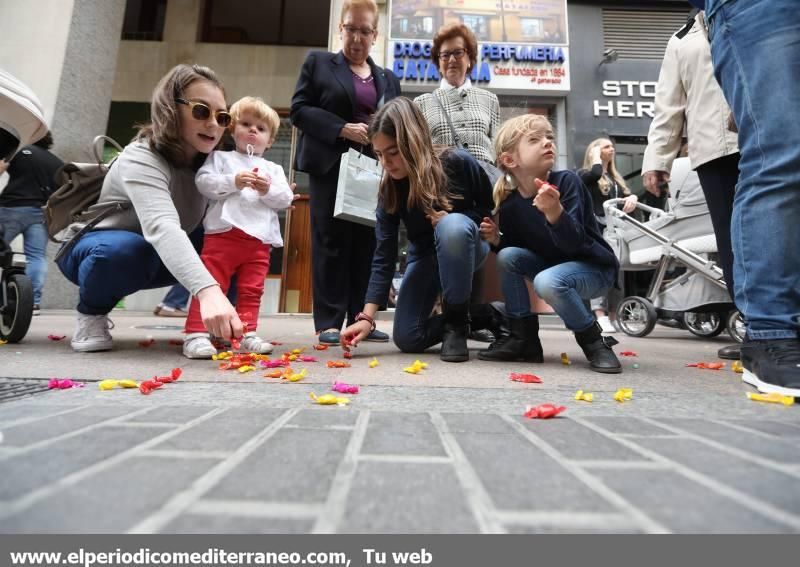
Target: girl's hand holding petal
(548,200)
(489,231)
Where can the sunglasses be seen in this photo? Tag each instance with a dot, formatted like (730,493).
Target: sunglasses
(201,112)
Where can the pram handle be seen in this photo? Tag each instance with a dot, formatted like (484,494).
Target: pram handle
(610,208)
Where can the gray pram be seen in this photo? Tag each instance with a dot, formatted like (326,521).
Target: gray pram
(679,244)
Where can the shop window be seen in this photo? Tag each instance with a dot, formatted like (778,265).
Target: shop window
(478,24)
(144,20)
(532,28)
(266,22)
(640,34)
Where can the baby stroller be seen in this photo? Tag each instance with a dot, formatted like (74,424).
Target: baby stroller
(688,286)
(21,123)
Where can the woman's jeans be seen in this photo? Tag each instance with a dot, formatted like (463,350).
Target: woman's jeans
(107,265)
(756,54)
(29,222)
(566,287)
(459,251)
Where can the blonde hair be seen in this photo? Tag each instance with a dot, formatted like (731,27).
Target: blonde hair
(368,5)
(163,132)
(401,120)
(508,138)
(604,184)
(258,108)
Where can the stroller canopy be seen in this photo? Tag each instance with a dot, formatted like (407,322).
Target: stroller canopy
(21,118)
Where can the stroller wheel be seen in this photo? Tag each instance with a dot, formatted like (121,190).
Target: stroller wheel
(15,315)
(735,325)
(636,316)
(704,325)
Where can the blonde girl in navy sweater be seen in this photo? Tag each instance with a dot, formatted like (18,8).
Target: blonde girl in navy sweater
(548,234)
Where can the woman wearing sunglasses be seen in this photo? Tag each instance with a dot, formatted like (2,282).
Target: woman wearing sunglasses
(146,242)
(336,95)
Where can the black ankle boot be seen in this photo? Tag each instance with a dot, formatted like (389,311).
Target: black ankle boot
(522,344)
(456,329)
(597,349)
(488,321)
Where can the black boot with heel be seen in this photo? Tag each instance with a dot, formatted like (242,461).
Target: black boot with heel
(456,330)
(522,344)
(597,349)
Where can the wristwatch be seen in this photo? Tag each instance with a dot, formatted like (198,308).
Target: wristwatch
(361,316)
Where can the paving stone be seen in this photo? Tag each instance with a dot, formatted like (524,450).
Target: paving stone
(627,426)
(520,476)
(406,498)
(777,488)
(29,433)
(777,450)
(578,442)
(219,524)
(325,417)
(682,505)
(777,428)
(518,529)
(15,411)
(112,501)
(40,467)
(223,432)
(476,423)
(390,433)
(294,465)
(172,414)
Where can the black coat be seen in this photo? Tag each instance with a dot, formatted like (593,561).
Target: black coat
(323,103)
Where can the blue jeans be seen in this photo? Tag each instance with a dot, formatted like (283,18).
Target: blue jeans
(756,54)
(460,251)
(177,297)
(29,222)
(107,265)
(565,287)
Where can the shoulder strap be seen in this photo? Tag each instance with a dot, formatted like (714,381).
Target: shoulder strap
(689,24)
(449,122)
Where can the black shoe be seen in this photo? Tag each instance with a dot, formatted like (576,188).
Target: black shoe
(329,337)
(456,329)
(522,344)
(730,352)
(377,336)
(597,349)
(772,366)
(36,309)
(482,336)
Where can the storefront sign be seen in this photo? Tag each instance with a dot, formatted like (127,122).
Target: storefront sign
(623,99)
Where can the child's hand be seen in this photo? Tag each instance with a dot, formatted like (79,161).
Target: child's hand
(489,231)
(548,200)
(435,217)
(262,184)
(246,178)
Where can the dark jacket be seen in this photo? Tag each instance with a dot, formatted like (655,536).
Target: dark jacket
(31,178)
(591,178)
(323,103)
(466,178)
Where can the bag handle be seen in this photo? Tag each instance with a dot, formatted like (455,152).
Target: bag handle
(449,122)
(99,143)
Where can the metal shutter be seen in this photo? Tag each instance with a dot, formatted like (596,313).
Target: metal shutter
(640,34)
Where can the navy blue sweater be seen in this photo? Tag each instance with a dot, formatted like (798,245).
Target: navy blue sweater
(576,235)
(465,178)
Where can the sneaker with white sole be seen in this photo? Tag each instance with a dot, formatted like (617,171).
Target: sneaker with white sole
(772,366)
(606,325)
(198,345)
(255,344)
(91,333)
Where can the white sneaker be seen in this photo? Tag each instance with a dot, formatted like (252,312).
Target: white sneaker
(198,345)
(606,325)
(91,333)
(255,344)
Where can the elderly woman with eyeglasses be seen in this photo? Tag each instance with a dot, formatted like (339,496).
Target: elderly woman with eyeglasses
(336,95)
(152,206)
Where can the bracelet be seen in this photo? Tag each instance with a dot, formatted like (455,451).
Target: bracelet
(361,316)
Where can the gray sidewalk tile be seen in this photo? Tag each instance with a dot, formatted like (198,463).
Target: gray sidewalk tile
(48,427)
(682,505)
(203,524)
(777,428)
(578,442)
(406,498)
(391,433)
(111,501)
(627,426)
(171,414)
(782,451)
(325,417)
(222,432)
(14,411)
(520,476)
(43,466)
(476,423)
(759,482)
(534,530)
(294,465)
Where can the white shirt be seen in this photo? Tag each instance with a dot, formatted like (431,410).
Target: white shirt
(246,209)
(444,85)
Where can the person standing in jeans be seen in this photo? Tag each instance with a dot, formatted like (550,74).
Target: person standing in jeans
(31,181)
(756,56)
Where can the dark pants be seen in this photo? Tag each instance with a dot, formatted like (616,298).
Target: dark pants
(341,257)
(718,179)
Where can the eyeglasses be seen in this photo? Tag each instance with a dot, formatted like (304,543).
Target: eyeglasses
(457,53)
(201,112)
(354,31)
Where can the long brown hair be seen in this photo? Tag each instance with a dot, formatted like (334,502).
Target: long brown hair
(162,133)
(401,120)
(604,184)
